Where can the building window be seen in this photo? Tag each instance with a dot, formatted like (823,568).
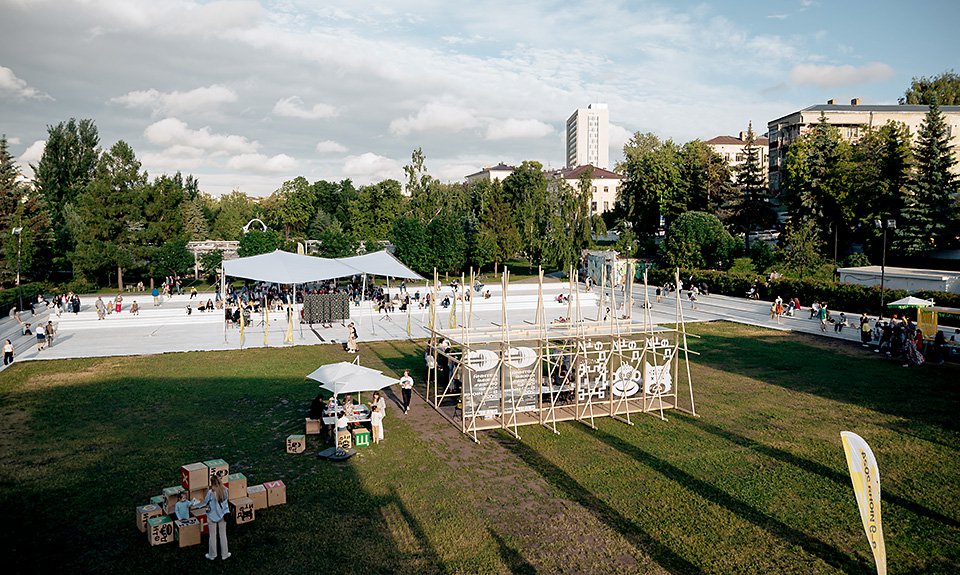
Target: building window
(606,189)
(593,190)
(740,157)
(593,206)
(606,206)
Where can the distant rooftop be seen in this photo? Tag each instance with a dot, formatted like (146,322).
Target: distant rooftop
(734,141)
(869,108)
(501,167)
(598,173)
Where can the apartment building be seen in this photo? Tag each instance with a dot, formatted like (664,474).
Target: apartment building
(491,173)
(588,137)
(853,121)
(730,149)
(603,185)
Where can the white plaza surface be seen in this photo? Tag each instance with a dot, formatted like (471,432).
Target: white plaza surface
(167,328)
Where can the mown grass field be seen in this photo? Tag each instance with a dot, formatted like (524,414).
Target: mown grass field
(757,484)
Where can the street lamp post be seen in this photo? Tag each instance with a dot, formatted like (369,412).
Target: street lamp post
(19,233)
(890,224)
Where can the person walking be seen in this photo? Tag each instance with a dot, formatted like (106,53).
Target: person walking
(41,336)
(8,353)
(50,331)
(376,423)
(101,308)
(118,303)
(406,389)
(156,296)
(823,314)
(217,503)
(352,338)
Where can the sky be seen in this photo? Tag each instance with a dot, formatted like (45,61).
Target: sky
(247,94)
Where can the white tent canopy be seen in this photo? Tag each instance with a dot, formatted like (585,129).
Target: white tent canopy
(381,264)
(910,301)
(287,268)
(346,377)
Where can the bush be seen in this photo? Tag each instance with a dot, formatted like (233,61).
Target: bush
(742,266)
(856,260)
(762,256)
(698,239)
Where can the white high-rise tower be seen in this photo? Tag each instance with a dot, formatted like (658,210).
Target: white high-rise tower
(588,137)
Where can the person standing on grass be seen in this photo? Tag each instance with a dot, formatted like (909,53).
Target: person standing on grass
(380,402)
(217,503)
(406,388)
(376,423)
(8,353)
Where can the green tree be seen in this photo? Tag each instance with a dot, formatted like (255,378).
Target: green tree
(20,207)
(883,163)
(66,167)
(698,240)
(496,227)
(256,242)
(291,208)
(335,199)
(751,209)
(375,208)
(653,186)
(801,245)
(942,89)
(162,207)
(709,186)
(194,221)
(233,211)
(409,237)
(525,190)
(817,181)
(111,215)
(210,262)
(172,258)
(929,216)
(335,243)
(448,243)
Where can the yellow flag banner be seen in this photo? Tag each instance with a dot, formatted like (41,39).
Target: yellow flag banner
(266,322)
(288,338)
(242,326)
(866,486)
(453,313)
(409,331)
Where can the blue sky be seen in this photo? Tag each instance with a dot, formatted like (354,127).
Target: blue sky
(246,94)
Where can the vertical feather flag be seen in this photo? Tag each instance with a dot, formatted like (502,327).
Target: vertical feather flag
(242,326)
(865,476)
(453,313)
(288,338)
(266,322)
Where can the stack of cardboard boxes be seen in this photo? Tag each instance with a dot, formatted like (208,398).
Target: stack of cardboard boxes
(157,518)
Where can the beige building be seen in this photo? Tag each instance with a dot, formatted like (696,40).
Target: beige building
(603,185)
(588,137)
(853,121)
(491,173)
(730,149)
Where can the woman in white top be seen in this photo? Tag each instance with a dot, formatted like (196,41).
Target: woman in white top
(8,353)
(376,422)
(380,402)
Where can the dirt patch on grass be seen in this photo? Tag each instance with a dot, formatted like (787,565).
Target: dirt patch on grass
(530,519)
(98,371)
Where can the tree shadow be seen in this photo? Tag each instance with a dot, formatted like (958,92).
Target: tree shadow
(574,491)
(812,545)
(841,478)
(511,557)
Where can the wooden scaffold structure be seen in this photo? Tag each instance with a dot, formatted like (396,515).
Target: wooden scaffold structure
(573,368)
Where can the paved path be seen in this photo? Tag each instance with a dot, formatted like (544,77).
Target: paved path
(168,328)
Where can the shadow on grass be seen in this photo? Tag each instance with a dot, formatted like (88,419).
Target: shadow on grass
(925,396)
(840,478)
(574,491)
(811,545)
(511,557)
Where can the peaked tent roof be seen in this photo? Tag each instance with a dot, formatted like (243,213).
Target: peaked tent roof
(910,301)
(381,264)
(287,268)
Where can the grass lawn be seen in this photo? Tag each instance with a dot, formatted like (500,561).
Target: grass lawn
(757,484)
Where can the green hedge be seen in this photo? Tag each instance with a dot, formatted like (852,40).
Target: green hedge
(11,297)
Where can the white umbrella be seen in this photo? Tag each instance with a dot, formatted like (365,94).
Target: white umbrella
(346,377)
(910,301)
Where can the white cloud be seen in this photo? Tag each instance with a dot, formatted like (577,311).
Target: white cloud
(618,137)
(198,99)
(173,132)
(293,107)
(17,89)
(436,116)
(31,155)
(370,167)
(13,141)
(329,146)
(834,76)
(513,128)
(262,163)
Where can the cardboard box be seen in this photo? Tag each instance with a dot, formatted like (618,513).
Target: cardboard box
(313,426)
(219,468)
(201,516)
(238,485)
(276,492)
(258,493)
(170,497)
(361,437)
(159,500)
(242,510)
(296,443)
(344,439)
(160,530)
(199,494)
(194,476)
(187,531)
(145,512)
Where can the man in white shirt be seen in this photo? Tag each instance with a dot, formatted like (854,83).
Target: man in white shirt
(406,388)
